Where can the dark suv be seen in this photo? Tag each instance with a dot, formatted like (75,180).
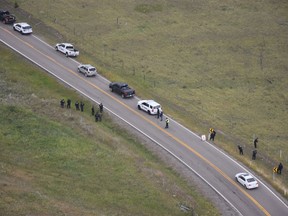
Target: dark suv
(122,88)
(6,17)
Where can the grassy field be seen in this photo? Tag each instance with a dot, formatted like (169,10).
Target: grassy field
(58,161)
(220,64)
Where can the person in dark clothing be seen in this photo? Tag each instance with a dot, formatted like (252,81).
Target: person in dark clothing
(82,106)
(240,150)
(255,142)
(68,103)
(161,115)
(92,111)
(101,107)
(62,103)
(158,113)
(77,105)
(212,136)
(98,117)
(167,123)
(254,152)
(279,169)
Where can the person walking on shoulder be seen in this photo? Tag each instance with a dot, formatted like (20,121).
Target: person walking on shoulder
(279,169)
(101,107)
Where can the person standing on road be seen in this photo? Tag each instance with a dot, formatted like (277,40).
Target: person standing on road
(161,115)
(158,113)
(167,123)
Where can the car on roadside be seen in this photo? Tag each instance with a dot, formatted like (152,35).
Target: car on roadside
(87,69)
(149,106)
(6,17)
(122,89)
(67,49)
(23,28)
(246,180)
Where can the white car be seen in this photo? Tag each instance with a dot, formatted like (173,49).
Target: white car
(87,70)
(246,180)
(23,28)
(149,106)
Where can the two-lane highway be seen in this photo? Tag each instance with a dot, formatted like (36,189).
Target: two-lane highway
(209,163)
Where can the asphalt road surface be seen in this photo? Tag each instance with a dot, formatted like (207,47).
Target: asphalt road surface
(210,164)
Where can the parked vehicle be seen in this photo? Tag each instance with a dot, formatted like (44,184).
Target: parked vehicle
(67,49)
(6,17)
(87,70)
(122,89)
(246,180)
(149,106)
(23,28)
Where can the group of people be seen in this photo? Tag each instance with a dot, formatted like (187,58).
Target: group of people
(160,116)
(254,152)
(80,106)
(98,114)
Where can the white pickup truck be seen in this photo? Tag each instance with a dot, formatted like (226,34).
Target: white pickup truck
(67,49)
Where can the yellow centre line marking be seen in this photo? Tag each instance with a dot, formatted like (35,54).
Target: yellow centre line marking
(152,123)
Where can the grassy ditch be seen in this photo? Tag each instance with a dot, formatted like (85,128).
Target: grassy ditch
(57,161)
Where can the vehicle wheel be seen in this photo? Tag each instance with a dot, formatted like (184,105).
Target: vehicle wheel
(236,179)
(245,186)
(56,48)
(4,21)
(149,112)
(78,70)
(111,89)
(139,108)
(86,74)
(14,28)
(66,54)
(122,95)
(22,32)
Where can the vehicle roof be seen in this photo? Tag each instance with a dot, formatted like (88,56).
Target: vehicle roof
(22,24)
(67,44)
(151,102)
(245,175)
(120,83)
(87,65)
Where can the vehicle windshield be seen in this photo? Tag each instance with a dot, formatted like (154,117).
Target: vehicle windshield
(70,48)
(251,180)
(92,69)
(27,27)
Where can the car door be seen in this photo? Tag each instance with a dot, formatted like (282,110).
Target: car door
(242,180)
(18,27)
(145,106)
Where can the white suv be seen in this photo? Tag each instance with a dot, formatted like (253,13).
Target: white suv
(23,28)
(149,106)
(87,70)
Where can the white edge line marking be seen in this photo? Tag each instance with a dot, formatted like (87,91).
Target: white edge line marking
(163,147)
